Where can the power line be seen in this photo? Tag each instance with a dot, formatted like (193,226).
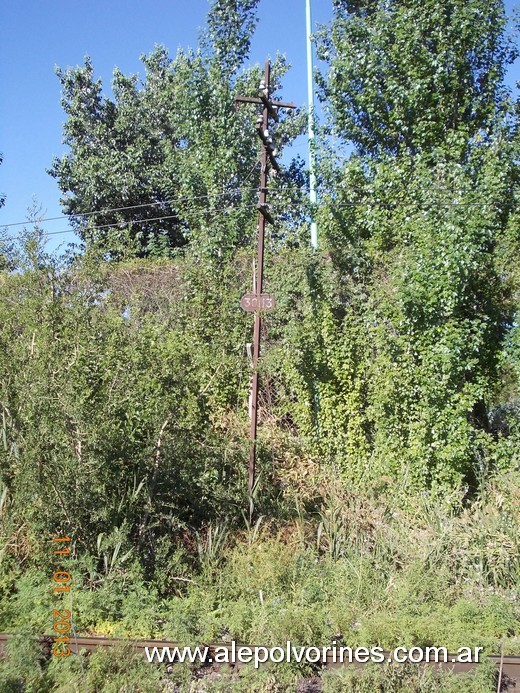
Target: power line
(124,225)
(424,207)
(146,204)
(168,201)
(173,201)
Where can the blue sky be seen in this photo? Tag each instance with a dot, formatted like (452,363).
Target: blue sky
(38,35)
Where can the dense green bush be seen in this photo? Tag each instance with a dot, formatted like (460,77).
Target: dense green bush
(112,408)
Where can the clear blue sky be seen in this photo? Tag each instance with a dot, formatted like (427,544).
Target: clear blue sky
(38,35)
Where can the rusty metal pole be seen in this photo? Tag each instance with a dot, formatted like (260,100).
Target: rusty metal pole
(259,288)
(257,301)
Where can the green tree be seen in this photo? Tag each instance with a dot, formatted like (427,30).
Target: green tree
(172,155)
(416,222)
(110,401)
(231,24)
(406,76)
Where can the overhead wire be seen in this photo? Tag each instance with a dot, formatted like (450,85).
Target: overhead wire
(183,199)
(169,201)
(423,207)
(124,225)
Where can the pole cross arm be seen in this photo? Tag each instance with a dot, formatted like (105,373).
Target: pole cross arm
(263,208)
(275,104)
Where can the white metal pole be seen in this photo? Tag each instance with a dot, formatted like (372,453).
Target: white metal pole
(310,123)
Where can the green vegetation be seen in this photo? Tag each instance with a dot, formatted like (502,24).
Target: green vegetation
(173,151)
(422,223)
(387,510)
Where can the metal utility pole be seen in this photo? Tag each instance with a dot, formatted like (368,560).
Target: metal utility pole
(310,122)
(257,301)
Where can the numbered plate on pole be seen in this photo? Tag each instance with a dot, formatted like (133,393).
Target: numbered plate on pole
(252,303)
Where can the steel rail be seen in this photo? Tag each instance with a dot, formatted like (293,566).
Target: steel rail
(510,664)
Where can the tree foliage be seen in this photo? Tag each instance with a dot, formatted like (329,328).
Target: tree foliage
(389,373)
(111,402)
(395,357)
(170,158)
(420,224)
(231,24)
(405,76)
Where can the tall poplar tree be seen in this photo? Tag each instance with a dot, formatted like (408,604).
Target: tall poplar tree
(416,222)
(170,156)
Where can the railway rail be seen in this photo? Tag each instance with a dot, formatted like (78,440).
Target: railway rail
(508,666)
